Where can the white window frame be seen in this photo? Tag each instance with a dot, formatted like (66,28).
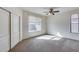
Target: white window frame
(74,23)
(34,20)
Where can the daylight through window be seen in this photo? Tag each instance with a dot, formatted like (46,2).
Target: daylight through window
(34,24)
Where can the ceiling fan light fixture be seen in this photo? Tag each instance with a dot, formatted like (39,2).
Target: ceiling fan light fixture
(49,14)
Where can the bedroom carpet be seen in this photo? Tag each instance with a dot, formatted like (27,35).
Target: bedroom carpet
(47,43)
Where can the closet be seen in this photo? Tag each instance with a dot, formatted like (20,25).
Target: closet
(4,30)
(9,30)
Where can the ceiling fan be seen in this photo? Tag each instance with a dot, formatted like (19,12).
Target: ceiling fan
(51,12)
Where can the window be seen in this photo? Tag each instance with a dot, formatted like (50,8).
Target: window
(34,24)
(75,23)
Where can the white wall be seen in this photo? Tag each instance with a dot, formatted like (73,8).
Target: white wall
(26,34)
(60,23)
(19,12)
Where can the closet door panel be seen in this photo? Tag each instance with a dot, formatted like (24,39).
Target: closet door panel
(14,30)
(4,44)
(4,30)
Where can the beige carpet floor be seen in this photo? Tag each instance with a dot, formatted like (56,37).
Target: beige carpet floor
(47,43)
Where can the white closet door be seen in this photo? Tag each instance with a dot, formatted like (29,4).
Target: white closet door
(4,30)
(14,30)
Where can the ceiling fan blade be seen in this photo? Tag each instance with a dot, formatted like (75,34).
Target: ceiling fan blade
(53,13)
(56,11)
(47,14)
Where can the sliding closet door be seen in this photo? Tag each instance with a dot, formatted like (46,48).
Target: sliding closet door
(14,30)
(4,30)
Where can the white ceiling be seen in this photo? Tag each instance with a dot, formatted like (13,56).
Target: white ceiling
(38,10)
(41,10)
